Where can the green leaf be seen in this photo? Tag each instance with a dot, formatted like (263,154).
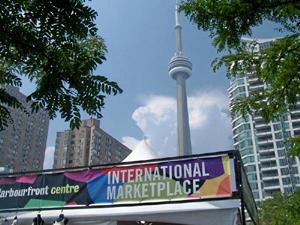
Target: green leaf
(55,44)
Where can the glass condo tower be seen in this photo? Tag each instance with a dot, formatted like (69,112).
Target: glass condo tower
(263,145)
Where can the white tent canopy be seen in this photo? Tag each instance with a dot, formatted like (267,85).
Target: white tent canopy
(223,212)
(143,151)
(210,212)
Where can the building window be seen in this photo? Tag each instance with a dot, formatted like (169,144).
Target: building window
(278,135)
(255,194)
(252,177)
(270,173)
(288,190)
(246,151)
(266,146)
(250,168)
(285,171)
(282,162)
(263,129)
(277,127)
(248,159)
(267,155)
(297,180)
(253,186)
(294,170)
(286,180)
(268,164)
(279,144)
(270,183)
(281,153)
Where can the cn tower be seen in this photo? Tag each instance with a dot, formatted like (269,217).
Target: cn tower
(180,69)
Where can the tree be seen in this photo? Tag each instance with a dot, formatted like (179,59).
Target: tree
(282,209)
(55,44)
(278,65)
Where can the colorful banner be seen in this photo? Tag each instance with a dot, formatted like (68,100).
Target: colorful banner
(173,180)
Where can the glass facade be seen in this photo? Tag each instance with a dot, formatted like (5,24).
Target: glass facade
(262,144)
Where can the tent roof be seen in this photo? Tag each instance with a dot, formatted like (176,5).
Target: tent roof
(223,212)
(143,151)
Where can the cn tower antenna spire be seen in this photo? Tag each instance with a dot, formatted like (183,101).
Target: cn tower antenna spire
(178,31)
(180,69)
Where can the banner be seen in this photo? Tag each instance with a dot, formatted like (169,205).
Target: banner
(189,179)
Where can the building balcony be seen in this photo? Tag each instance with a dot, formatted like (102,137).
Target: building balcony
(264,139)
(234,87)
(270,175)
(264,133)
(287,185)
(296,109)
(267,159)
(296,124)
(268,168)
(252,79)
(296,132)
(295,115)
(262,129)
(265,150)
(260,122)
(261,126)
(235,136)
(267,144)
(238,95)
(249,164)
(262,143)
(255,82)
(238,125)
(256,89)
(270,188)
(268,193)
(266,178)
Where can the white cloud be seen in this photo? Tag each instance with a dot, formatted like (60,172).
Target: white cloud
(157,121)
(49,157)
(158,109)
(201,105)
(209,123)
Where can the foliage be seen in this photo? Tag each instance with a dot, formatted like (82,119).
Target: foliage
(227,21)
(295,146)
(278,65)
(282,209)
(280,71)
(54,43)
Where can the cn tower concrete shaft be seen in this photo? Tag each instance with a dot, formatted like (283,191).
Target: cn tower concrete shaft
(180,69)
(183,129)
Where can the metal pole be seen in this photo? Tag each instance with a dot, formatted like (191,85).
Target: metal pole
(241,191)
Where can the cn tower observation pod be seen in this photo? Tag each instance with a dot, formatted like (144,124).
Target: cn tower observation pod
(180,66)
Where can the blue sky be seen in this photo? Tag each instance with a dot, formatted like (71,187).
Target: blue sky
(140,38)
